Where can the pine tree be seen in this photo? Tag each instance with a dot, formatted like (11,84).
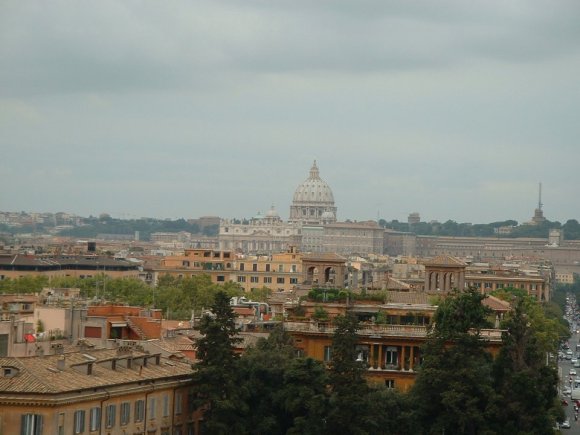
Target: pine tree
(348,410)
(215,380)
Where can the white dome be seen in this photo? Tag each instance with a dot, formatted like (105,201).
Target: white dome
(314,190)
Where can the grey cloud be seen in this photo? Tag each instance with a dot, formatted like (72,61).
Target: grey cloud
(114,46)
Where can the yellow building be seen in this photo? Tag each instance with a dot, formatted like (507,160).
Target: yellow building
(278,272)
(106,391)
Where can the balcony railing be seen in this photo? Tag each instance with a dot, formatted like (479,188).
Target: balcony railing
(381,330)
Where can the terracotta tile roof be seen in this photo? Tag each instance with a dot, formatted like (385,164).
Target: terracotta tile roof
(496,304)
(445,260)
(323,256)
(40,374)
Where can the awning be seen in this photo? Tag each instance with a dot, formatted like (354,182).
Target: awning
(118,324)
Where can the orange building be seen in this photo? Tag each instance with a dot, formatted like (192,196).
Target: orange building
(390,337)
(118,391)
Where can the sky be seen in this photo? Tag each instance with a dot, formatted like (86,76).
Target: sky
(453,109)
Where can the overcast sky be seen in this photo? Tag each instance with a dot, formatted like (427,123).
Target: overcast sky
(454,109)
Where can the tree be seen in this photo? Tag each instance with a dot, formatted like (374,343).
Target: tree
(453,389)
(526,386)
(215,381)
(286,393)
(261,370)
(348,411)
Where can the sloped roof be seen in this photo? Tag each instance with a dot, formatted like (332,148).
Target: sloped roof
(40,374)
(445,260)
(496,304)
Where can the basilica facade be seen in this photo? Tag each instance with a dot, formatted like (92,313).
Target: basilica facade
(311,227)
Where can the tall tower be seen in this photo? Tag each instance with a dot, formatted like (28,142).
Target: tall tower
(538,212)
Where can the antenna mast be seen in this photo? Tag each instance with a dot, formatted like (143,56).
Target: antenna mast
(540,205)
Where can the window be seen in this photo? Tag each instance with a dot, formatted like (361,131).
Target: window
(241,278)
(152,408)
(241,266)
(178,403)
(221,278)
(280,268)
(190,402)
(267,280)
(327,353)
(79,422)
(280,280)
(31,424)
(390,383)
(110,415)
(293,268)
(125,413)
(391,356)
(165,406)
(95,420)
(293,280)
(267,268)
(185,263)
(254,279)
(254,267)
(139,410)
(60,427)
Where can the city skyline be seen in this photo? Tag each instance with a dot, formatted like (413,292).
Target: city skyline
(187,109)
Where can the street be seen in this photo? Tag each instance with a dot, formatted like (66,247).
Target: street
(565,365)
(564,370)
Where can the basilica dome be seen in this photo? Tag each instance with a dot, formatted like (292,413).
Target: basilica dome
(314,189)
(312,198)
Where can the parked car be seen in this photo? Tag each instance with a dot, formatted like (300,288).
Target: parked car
(572,372)
(565,424)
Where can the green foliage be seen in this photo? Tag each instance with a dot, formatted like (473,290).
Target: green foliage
(286,393)
(260,294)
(454,387)
(525,385)
(108,225)
(179,297)
(26,284)
(460,313)
(320,314)
(348,411)
(215,381)
(451,228)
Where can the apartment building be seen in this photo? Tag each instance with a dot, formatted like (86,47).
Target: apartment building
(105,391)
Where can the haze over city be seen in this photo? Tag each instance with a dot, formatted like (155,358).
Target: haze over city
(453,109)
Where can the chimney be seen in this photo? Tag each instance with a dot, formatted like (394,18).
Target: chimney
(60,363)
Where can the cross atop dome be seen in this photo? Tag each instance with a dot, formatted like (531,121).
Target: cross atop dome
(314,174)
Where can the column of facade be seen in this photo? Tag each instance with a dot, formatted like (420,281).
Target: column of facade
(380,360)
(461,282)
(411,361)
(448,281)
(402,357)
